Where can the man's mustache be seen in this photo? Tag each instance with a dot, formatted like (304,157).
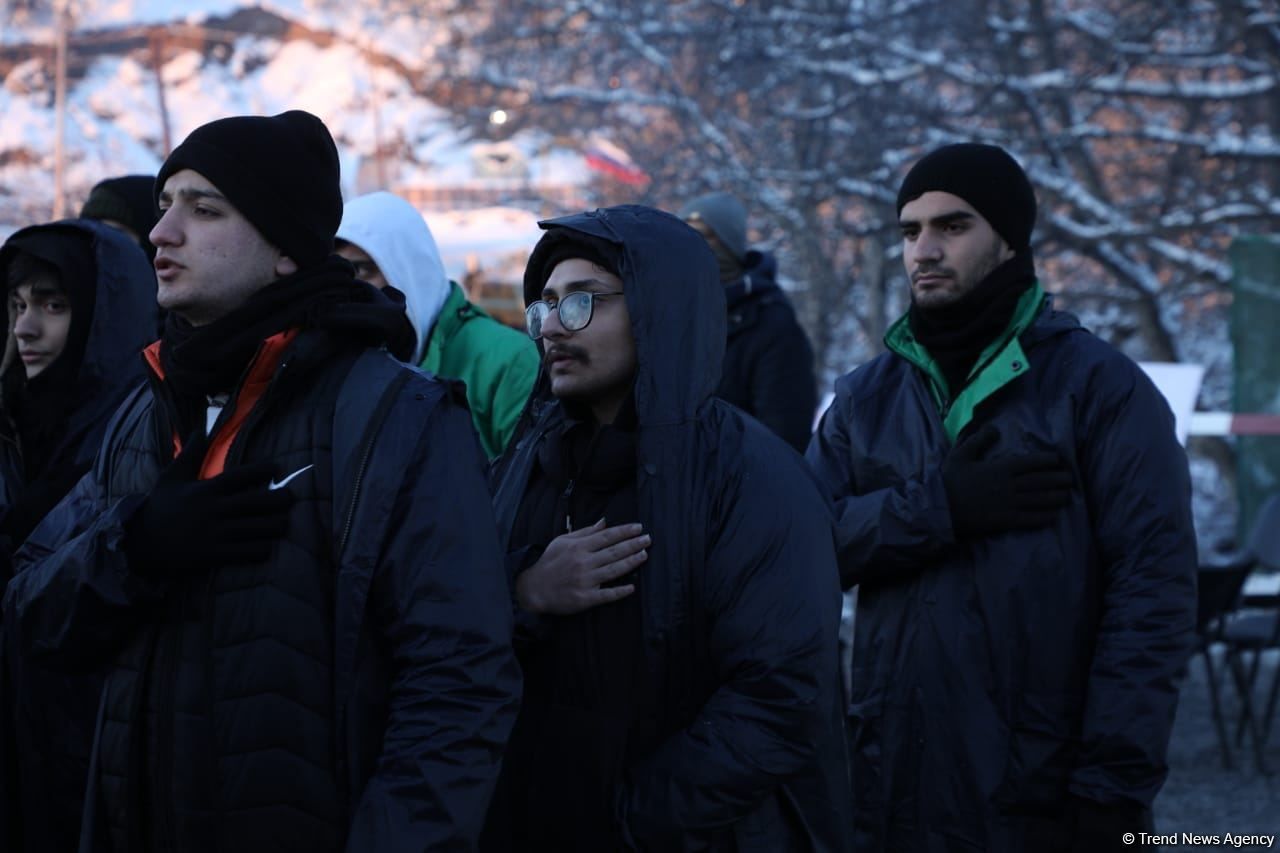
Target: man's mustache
(931,270)
(566,351)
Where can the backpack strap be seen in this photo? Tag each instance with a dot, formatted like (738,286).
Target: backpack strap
(373,369)
(373,372)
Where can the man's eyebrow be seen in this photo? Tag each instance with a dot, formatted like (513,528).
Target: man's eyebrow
(940,219)
(193,194)
(48,288)
(44,288)
(577,284)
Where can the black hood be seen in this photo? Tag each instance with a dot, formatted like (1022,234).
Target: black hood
(124,307)
(674,296)
(59,418)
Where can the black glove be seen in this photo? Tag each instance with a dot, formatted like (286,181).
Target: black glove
(1022,492)
(1101,827)
(188,525)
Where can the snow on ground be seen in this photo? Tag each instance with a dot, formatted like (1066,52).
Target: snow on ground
(114,123)
(1202,796)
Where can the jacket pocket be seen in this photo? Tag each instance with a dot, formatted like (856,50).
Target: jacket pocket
(1042,752)
(774,826)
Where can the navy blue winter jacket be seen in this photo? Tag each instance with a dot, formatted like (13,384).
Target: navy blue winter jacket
(768,363)
(402,712)
(992,677)
(44,748)
(740,595)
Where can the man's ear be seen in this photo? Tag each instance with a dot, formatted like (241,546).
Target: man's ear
(285,266)
(1006,251)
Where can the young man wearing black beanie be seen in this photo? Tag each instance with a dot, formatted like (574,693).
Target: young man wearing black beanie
(673,572)
(306,639)
(1014,509)
(127,204)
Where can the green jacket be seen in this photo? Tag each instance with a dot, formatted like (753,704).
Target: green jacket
(998,364)
(496,363)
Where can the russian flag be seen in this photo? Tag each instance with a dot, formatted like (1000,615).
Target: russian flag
(603,156)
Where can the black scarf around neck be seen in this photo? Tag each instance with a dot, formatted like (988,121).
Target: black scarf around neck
(200,361)
(956,334)
(601,457)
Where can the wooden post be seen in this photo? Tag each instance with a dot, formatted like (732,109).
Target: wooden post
(379,163)
(157,65)
(60,106)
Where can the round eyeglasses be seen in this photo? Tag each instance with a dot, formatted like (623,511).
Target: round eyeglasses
(575,311)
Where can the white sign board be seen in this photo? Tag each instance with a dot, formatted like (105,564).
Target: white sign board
(1180,385)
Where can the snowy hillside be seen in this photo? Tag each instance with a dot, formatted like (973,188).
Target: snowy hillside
(316,56)
(396,35)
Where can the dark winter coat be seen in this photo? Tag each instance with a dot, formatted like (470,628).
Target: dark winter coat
(768,363)
(364,668)
(123,321)
(47,740)
(739,597)
(992,677)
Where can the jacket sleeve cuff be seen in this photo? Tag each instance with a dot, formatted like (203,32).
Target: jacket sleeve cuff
(530,628)
(134,584)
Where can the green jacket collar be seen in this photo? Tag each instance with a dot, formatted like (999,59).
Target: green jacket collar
(453,314)
(999,364)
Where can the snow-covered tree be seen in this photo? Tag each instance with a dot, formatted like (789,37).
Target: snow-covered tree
(1148,128)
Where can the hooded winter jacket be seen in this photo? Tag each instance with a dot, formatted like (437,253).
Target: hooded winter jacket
(768,363)
(352,692)
(47,741)
(993,677)
(122,320)
(456,339)
(739,596)
(497,364)
(392,232)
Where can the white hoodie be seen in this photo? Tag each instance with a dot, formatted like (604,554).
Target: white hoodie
(393,233)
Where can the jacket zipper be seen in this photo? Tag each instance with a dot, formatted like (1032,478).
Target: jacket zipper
(171,651)
(355,498)
(568,507)
(160,788)
(11,436)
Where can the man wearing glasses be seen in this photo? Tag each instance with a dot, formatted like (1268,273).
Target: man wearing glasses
(674,577)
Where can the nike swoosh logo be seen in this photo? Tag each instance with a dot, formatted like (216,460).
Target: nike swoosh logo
(273,485)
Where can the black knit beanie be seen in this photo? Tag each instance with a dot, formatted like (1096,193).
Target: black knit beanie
(986,177)
(280,172)
(129,200)
(562,244)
